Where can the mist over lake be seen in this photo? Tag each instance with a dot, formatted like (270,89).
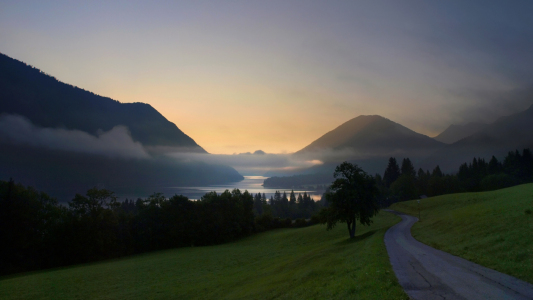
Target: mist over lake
(182,150)
(253,184)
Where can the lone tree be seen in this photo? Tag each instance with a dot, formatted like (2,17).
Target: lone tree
(351,197)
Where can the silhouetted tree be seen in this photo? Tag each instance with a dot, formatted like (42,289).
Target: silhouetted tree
(292,205)
(284,206)
(95,224)
(404,188)
(437,172)
(408,168)
(494,166)
(435,184)
(391,173)
(258,204)
(27,220)
(422,182)
(352,197)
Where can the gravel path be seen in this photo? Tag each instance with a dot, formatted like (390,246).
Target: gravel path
(427,273)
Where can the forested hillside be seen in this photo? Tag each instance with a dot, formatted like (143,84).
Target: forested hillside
(47,102)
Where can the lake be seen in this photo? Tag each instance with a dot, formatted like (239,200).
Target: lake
(253,184)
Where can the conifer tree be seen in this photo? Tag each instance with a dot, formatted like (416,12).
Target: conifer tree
(408,168)
(292,198)
(391,173)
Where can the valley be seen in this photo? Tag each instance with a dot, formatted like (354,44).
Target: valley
(266,150)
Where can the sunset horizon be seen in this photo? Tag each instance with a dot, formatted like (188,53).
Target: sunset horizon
(239,77)
(272,149)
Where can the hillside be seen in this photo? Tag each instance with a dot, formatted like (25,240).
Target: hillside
(62,174)
(455,133)
(371,136)
(304,263)
(64,140)
(492,229)
(504,135)
(47,102)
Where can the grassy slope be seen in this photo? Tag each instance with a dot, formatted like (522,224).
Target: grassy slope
(489,228)
(307,263)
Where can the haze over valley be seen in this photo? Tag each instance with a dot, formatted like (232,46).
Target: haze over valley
(60,138)
(266,149)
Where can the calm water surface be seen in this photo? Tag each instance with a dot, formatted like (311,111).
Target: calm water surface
(253,184)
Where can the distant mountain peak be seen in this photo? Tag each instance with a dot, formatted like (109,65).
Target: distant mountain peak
(455,133)
(505,134)
(372,135)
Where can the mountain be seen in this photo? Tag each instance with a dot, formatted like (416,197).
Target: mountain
(455,133)
(505,134)
(64,140)
(369,137)
(62,173)
(367,141)
(47,102)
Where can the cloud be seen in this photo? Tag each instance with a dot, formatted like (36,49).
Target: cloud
(248,163)
(257,152)
(116,142)
(287,164)
(290,163)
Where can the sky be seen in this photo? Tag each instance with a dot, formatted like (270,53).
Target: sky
(238,76)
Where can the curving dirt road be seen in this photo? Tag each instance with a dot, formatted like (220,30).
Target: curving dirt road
(427,273)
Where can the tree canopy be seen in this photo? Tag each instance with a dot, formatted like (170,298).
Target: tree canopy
(351,197)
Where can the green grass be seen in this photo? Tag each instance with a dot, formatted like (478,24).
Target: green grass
(493,229)
(305,263)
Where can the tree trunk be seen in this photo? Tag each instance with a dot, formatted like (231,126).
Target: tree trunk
(351,227)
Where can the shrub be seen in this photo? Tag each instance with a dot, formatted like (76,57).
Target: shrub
(300,222)
(496,182)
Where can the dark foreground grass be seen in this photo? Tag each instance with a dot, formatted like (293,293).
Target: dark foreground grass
(493,229)
(306,263)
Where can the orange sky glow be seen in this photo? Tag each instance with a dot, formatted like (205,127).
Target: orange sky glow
(276,75)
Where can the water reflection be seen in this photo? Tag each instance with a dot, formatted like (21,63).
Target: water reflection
(253,184)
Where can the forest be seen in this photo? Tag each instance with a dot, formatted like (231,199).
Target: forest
(400,183)
(37,232)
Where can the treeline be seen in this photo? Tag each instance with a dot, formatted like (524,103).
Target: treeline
(404,183)
(282,206)
(37,232)
(318,181)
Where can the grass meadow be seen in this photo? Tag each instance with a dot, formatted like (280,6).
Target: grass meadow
(305,263)
(493,229)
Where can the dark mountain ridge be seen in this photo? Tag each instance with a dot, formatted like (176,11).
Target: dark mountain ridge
(57,111)
(455,133)
(513,132)
(62,174)
(47,102)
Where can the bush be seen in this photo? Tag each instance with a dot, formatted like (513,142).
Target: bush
(315,219)
(496,182)
(300,222)
(264,222)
